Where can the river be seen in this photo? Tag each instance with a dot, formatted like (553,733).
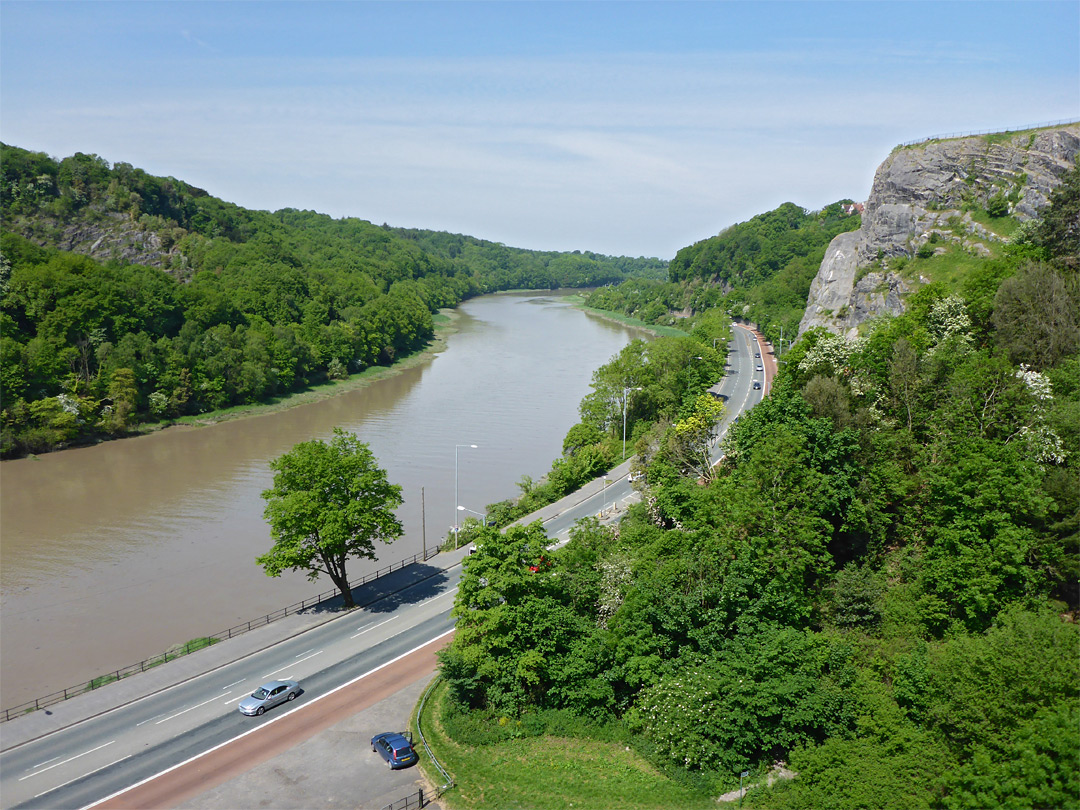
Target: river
(112,553)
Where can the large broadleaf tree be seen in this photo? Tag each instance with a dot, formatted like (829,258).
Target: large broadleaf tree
(329,503)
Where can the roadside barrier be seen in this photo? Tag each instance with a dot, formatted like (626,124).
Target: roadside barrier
(409,802)
(205,641)
(439,791)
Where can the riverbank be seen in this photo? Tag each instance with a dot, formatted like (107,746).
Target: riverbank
(167,526)
(445,323)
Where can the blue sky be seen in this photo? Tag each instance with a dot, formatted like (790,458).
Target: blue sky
(624,128)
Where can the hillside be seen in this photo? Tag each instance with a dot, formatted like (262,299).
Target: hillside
(877,592)
(934,206)
(130,299)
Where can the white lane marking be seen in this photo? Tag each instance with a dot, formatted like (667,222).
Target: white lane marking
(66,761)
(77,778)
(46,762)
(270,722)
(372,627)
(227,702)
(151,720)
(440,596)
(294,663)
(231,685)
(185,711)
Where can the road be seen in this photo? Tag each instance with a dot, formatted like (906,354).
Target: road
(736,390)
(103,756)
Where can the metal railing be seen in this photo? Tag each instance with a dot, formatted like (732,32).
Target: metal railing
(439,791)
(950,136)
(205,641)
(409,802)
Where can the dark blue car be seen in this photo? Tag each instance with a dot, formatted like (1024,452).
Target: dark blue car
(395,748)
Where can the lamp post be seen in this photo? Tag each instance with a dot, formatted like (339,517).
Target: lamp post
(456,448)
(482,517)
(625,393)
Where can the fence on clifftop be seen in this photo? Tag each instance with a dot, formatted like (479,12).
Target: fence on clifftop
(953,135)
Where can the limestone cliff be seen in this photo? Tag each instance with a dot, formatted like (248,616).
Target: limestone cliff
(918,196)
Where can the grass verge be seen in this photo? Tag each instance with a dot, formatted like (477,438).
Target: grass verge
(556,773)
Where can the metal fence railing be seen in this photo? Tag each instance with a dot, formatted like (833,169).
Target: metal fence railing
(449,783)
(205,641)
(413,800)
(950,136)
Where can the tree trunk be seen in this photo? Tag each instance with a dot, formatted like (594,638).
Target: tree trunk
(342,583)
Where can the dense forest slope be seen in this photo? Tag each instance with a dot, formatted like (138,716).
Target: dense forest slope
(127,298)
(926,201)
(759,270)
(880,583)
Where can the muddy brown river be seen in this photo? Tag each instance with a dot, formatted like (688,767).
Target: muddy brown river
(110,554)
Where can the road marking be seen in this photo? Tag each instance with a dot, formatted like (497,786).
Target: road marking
(77,778)
(185,711)
(231,685)
(66,761)
(46,762)
(270,722)
(440,596)
(227,702)
(151,720)
(294,663)
(372,627)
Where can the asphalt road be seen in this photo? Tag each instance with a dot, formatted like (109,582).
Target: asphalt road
(180,740)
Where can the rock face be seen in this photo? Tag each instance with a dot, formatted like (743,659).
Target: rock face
(916,198)
(105,237)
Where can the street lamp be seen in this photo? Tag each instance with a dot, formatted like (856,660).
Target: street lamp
(625,393)
(456,447)
(478,514)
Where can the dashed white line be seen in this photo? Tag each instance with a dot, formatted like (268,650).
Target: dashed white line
(231,685)
(77,778)
(185,711)
(372,627)
(294,663)
(66,761)
(268,722)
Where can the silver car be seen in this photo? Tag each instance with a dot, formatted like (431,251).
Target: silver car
(269,695)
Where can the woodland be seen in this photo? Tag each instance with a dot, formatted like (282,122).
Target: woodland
(878,586)
(229,307)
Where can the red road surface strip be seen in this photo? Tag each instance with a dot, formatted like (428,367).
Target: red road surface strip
(238,756)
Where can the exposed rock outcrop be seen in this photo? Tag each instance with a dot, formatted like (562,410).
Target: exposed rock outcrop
(917,197)
(105,237)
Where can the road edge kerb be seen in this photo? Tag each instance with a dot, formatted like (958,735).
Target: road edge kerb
(266,724)
(267,646)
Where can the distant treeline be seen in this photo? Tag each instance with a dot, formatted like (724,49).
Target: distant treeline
(240,306)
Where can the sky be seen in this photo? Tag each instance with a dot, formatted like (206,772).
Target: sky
(621,128)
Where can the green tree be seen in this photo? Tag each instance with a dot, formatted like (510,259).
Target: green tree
(691,439)
(329,502)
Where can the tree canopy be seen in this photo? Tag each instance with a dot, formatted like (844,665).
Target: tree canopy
(330,503)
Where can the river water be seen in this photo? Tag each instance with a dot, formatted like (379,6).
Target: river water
(110,554)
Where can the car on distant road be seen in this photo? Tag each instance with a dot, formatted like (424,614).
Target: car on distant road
(269,695)
(760,367)
(395,748)
(757,354)
(757,384)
